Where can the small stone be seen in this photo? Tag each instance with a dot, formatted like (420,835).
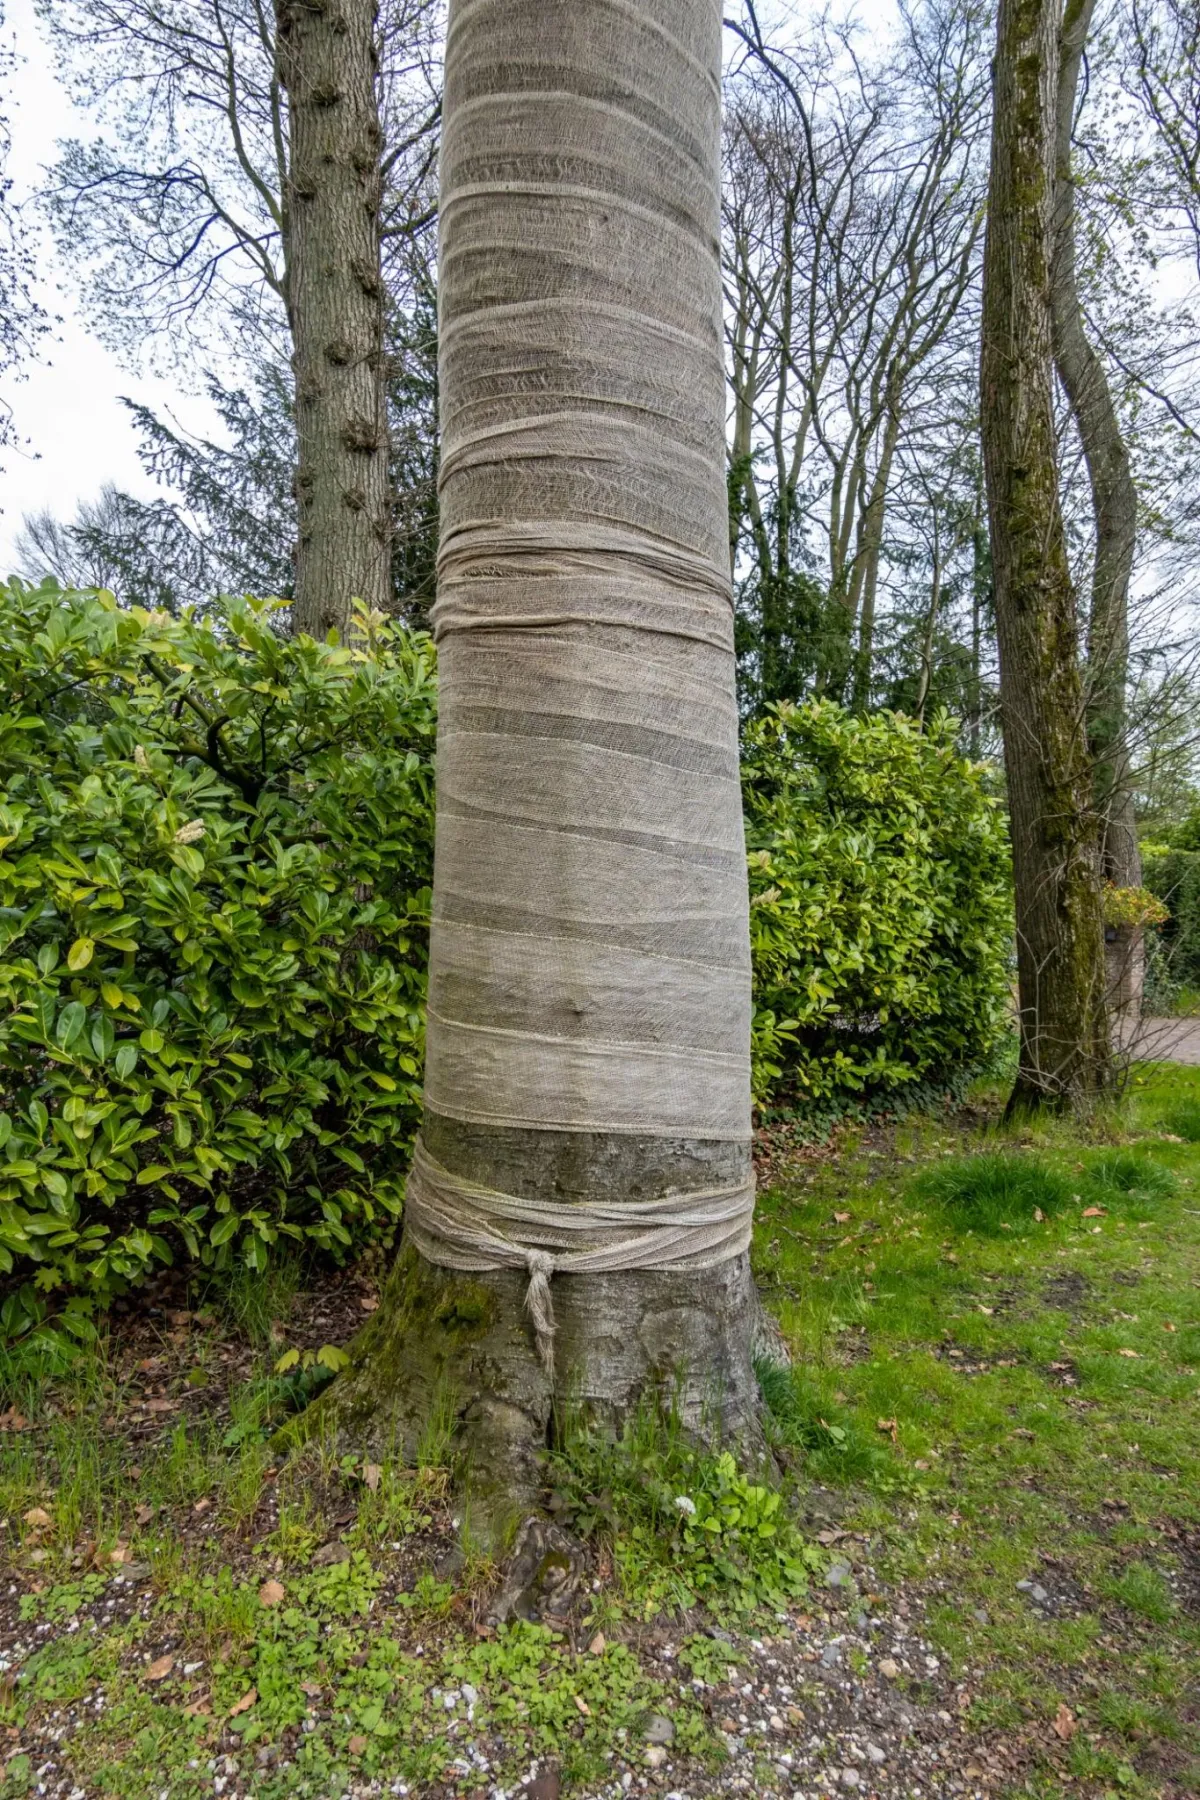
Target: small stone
(875,1754)
(776,1723)
(980,1615)
(1038,1593)
(850,1778)
(839,1575)
(330,1553)
(470,1694)
(889,1668)
(656,1756)
(831,1656)
(1023,1587)
(660,1730)
(598,1645)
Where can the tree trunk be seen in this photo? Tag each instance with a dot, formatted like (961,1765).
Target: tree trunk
(1114,509)
(1065,1057)
(588,1039)
(335,300)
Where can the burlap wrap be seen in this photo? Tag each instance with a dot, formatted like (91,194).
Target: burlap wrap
(589,963)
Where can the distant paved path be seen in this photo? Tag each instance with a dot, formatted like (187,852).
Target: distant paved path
(1166,1040)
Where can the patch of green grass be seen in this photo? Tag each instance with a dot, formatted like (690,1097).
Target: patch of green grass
(1131,1180)
(1039,1390)
(1144,1590)
(997,1191)
(802,1414)
(1183,1119)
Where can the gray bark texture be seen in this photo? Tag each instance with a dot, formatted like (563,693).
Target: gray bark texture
(588,1037)
(335,302)
(1065,1055)
(1114,510)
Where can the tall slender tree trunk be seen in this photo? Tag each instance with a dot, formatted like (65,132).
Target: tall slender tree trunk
(1065,1056)
(1114,510)
(335,299)
(589,965)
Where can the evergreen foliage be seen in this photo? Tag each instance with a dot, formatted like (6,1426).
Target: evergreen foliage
(215,846)
(879,904)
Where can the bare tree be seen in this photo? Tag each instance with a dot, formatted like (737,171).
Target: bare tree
(22,318)
(330,223)
(852,225)
(1065,1055)
(184,209)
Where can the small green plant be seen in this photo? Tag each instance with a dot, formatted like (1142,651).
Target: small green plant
(1132,906)
(997,1190)
(684,1525)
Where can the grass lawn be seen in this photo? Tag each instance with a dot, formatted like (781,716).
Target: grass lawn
(985,1579)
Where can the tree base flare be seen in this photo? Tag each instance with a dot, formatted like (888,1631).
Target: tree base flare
(447,1370)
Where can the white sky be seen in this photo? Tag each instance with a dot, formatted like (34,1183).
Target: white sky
(74,433)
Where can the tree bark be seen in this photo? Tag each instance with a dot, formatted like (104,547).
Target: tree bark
(1065,1055)
(589,963)
(1114,510)
(335,302)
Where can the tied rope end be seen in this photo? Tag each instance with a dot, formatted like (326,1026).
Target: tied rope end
(539,1305)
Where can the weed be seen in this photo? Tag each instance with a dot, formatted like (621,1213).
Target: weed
(684,1524)
(254,1301)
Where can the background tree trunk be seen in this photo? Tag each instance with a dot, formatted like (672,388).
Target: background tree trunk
(335,302)
(1065,1056)
(1115,512)
(589,965)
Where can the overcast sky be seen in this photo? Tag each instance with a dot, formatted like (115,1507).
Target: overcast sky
(74,432)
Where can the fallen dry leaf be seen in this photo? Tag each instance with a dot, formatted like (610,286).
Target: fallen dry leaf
(312,1688)
(120,1553)
(199,1709)
(160,1668)
(271,1593)
(1039,1215)
(1168,1326)
(1134,1353)
(161,1406)
(357,1744)
(247,1700)
(1093,1212)
(598,1645)
(582,1705)
(144,1514)
(989,1310)
(1065,1723)
(368,1302)
(38,1517)
(372,1476)
(12,1420)
(841,1218)
(890,1426)
(202,1505)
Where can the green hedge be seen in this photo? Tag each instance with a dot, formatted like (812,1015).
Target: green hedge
(215,851)
(880,904)
(215,846)
(1174,876)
